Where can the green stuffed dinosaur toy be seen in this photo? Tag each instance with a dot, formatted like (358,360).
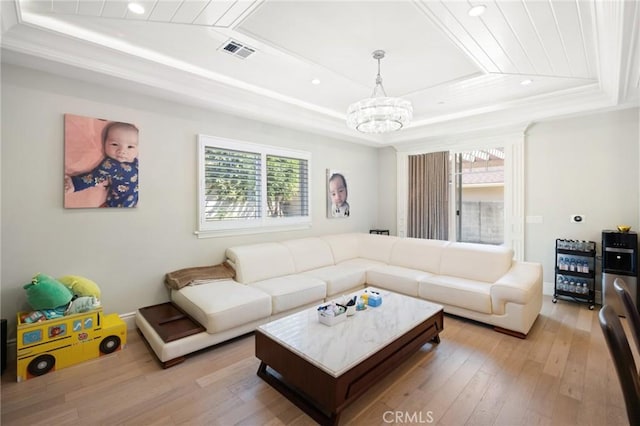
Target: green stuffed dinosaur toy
(45,292)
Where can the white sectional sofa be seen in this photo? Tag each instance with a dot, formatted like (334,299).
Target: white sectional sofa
(475,281)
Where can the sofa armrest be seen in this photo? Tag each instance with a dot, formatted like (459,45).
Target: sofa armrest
(521,284)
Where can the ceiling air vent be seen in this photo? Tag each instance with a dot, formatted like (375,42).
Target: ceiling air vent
(237,49)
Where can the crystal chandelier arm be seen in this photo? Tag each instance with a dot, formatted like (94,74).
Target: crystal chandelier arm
(378,90)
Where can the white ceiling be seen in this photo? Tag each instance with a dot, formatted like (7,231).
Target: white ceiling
(461,73)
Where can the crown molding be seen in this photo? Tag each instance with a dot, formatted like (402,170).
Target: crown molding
(617,49)
(43,43)
(10,15)
(579,100)
(166,82)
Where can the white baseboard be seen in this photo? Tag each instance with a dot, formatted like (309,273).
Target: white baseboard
(130,320)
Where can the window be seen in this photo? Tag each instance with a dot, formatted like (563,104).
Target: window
(508,142)
(246,187)
(479,196)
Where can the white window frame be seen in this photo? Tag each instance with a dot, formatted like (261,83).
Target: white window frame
(208,229)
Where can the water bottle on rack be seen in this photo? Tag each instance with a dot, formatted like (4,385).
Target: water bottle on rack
(560,282)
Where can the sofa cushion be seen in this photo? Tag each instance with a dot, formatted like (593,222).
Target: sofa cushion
(257,262)
(396,278)
(454,291)
(222,305)
(420,254)
(343,246)
(479,262)
(339,278)
(376,247)
(292,291)
(361,263)
(309,253)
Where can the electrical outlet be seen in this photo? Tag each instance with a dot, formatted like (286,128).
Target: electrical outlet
(577,218)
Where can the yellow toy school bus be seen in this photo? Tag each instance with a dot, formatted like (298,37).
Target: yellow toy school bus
(58,343)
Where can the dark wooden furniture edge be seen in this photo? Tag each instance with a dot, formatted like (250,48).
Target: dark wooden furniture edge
(183,325)
(510,332)
(352,383)
(294,396)
(163,364)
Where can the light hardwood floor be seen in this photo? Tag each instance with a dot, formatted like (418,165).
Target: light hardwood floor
(560,375)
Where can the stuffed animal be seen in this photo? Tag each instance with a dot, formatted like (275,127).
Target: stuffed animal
(81,286)
(45,314)
(45,292)
(82,304)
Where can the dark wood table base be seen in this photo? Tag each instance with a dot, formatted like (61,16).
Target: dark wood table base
(323,396)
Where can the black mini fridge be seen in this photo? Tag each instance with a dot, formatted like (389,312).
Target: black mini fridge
(619,260)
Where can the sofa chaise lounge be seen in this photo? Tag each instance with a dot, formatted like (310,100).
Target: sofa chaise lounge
(475,281)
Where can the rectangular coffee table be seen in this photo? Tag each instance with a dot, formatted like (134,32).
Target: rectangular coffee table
(323,368)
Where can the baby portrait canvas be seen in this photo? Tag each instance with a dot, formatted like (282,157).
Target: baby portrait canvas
(100,163)
(337,194)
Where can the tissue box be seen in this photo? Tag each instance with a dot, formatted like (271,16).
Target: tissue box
(374,300)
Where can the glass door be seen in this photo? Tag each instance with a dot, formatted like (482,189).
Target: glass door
(478,182)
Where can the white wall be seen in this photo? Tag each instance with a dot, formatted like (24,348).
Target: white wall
(387,190)
(584,165)
(128,251)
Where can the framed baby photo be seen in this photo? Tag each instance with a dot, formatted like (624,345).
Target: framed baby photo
(337,195)
(100,163)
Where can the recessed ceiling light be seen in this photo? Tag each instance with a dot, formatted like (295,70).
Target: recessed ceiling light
(315,81)
(477,10)
(526,82)
(136,8)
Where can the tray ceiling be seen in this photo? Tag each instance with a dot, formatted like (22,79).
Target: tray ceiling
(461,73)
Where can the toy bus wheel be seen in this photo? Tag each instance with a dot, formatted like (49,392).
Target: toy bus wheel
(41,365)
(109,344)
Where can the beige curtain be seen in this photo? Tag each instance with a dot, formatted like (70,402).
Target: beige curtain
(428,209)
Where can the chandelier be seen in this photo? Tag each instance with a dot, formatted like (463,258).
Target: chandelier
(379,113)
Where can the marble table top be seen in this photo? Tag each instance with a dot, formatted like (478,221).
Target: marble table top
(337,348)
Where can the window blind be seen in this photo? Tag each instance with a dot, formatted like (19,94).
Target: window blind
(232,184)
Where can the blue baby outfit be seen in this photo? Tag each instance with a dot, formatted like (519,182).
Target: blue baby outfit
(122,179)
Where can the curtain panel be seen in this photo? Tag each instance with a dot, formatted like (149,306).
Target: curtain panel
(428,189)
